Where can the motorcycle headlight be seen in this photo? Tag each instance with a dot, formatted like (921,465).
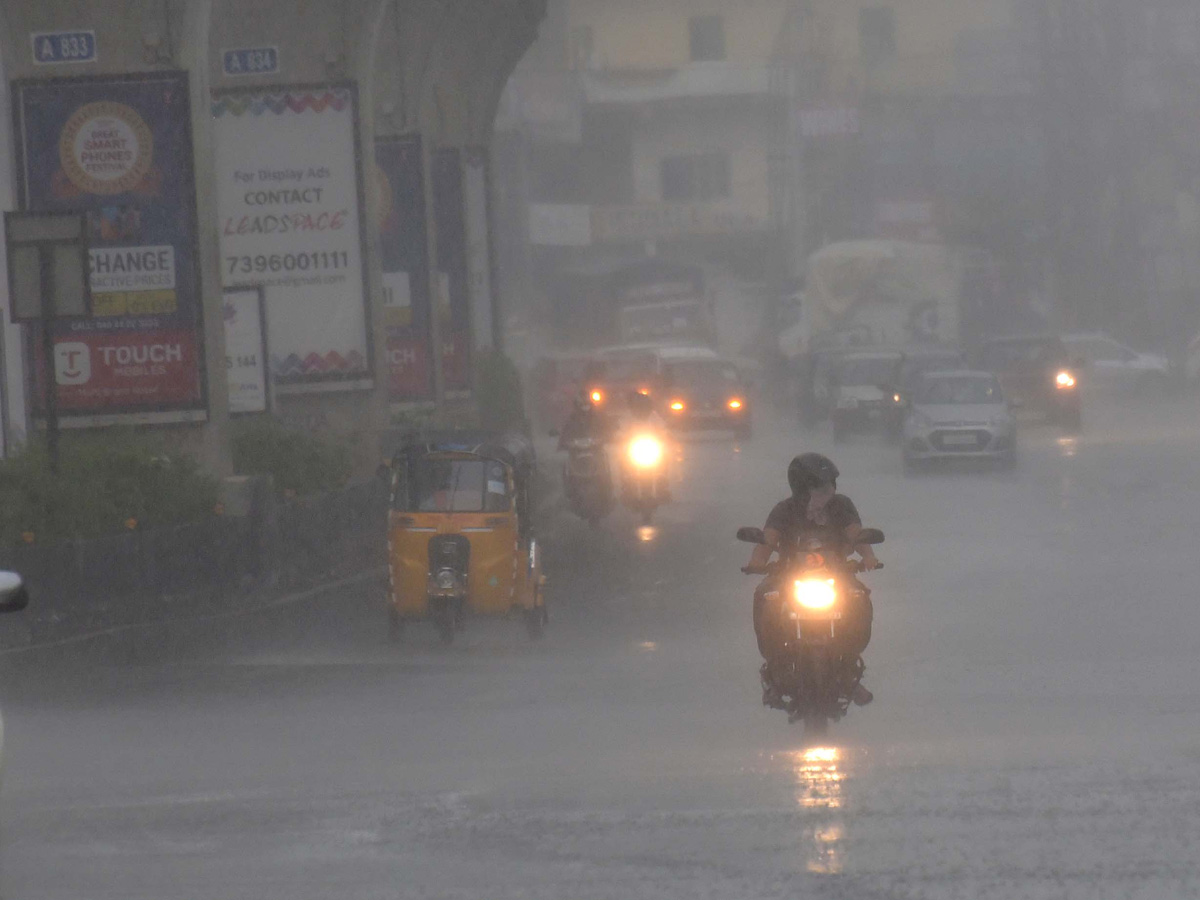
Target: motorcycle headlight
(814,594)
(1064,380)
(645,452)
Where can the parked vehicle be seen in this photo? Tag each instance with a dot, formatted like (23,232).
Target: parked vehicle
(862,390)
(959,415)
(1112,367)
(460,534)
(1036,371)
(815,580)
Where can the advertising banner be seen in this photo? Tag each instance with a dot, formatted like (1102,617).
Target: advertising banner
(120,147)
(245,350)
(479,246)
(403,245)
(454,307)
(289,199)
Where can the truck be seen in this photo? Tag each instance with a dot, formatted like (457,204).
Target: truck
(879,292)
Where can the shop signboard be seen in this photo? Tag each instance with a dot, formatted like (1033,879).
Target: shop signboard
(120,148)
(245,350)
(289,198)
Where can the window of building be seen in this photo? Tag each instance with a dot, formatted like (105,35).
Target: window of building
(877,33)
(700,176)
(707,37)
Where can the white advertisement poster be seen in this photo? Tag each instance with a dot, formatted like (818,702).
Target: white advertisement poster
(289,201)
(479,261)
(245,346)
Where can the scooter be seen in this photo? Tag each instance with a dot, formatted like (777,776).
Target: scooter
(809,589)
(587,479)
(643,482)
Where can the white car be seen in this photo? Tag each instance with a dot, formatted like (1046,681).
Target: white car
(1112,367)
(13,598)
(959,415)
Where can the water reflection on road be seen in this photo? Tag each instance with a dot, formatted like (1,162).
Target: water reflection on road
(822,778)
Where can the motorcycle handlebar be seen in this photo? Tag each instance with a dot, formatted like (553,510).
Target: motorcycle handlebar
(771,568)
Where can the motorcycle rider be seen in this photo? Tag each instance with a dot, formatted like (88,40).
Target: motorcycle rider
(585,421)
(814,504)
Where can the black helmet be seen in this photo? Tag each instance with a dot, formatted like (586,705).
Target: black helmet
(811,470)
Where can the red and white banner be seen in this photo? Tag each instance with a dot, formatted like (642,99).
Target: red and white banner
(123,370)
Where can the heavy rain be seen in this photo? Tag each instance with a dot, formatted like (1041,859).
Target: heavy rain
(600,449)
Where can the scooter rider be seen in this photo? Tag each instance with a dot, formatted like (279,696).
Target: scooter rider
(814,504)
(585,421)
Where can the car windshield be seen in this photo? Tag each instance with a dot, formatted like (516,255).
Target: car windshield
(454,485)
(867,370)
(708,375)
(961,391)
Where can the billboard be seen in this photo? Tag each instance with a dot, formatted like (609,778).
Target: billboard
(403,252)
(120,148)
(290,213)
(454,301)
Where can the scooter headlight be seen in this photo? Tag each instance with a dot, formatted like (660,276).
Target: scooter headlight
(815,594)
(1064,380)
(646,452)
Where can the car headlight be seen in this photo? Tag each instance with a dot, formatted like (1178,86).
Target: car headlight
(735,404)
(814,594)
(645,452)
(678,406)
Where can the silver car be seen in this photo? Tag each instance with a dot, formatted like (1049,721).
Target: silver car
(959,415)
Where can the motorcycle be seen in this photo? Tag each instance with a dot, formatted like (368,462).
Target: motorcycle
(810,589)
(643,482)
(587,478)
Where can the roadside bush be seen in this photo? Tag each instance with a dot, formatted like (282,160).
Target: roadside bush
(298,462)
(107,481)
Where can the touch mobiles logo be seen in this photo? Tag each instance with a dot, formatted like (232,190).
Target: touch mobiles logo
(72,363)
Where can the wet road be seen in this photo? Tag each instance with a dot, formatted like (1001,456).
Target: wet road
(1036,730)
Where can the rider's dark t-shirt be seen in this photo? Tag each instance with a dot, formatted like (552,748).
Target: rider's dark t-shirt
(790,518)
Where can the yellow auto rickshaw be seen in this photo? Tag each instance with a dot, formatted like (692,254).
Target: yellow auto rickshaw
(460,539)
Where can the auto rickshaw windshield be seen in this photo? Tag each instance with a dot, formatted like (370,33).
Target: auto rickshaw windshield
(454,485)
